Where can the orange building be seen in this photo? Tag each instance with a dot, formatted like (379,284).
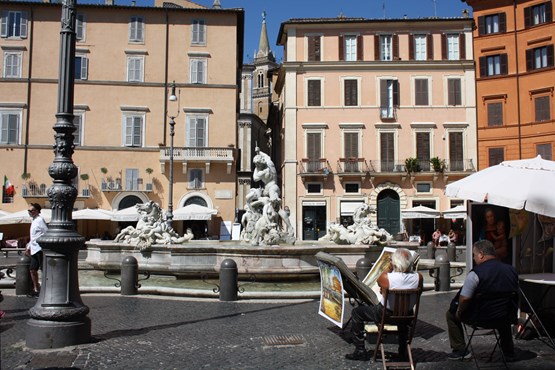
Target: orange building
(513,49)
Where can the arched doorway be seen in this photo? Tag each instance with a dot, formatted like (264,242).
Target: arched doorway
(199,227)
(389,211)
(126,202)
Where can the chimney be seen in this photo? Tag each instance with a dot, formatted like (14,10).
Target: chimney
(216,4)
(465,13)
(108,2)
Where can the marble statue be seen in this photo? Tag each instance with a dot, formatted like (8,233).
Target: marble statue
(264,214)
(151,229)
(360,232)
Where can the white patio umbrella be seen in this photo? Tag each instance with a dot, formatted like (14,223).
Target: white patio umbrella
(526,183)
(126,215)
(419,212)
(455,212)
(3,213)
(194,212)
(92,214)
(22,217)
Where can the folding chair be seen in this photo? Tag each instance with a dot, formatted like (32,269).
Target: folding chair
(491,327)
(405,304)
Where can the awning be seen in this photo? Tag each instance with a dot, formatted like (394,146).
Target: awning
(126,215)
(92,214)
(348,208)
(22,217)
(193,212)
(455,212)
(419,212)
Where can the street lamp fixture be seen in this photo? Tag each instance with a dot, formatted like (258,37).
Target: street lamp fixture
(172,98)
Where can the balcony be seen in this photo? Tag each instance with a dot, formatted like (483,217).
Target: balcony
(32,190)
(136,184)
(204,155)
(388,113)
(314,168)
(352,167)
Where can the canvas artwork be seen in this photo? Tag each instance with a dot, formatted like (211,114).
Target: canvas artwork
(492,223)
(332,301)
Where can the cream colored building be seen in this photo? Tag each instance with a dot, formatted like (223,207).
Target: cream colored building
(126,60)
(358,97)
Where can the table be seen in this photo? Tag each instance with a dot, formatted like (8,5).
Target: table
(547,281)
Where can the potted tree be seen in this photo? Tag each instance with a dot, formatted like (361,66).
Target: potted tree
(412,165)
(438,164)
(149,171)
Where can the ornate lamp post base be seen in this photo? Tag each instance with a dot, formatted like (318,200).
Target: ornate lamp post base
(42,334)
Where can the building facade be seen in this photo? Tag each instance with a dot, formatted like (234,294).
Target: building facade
(513,49)
(374,111)
(127,58)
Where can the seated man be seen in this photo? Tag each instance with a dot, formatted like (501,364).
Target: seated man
(400,276)
(488,275)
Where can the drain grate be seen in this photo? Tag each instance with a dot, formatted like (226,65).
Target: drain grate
(283,340)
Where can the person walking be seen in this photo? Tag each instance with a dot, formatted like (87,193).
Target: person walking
(34,250)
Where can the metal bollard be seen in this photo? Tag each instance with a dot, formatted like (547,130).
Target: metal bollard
(23,283)
(431,251)
(228,280)
(129,276)
(363,266)
(452,252)
(443,277)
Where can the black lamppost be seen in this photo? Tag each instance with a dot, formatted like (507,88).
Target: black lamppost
(169,214)
(59,318)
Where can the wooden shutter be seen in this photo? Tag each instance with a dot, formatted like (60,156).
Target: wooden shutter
(387,150)
(4,32)
(384,98)
(456,151)
(550,55)
(314,91)
(421,91)
(481,25)
(548,12)
(483,66)
(360,48)
(430,46)
(351,144)
(313,48)
(496,156)
(495,114)
(351,93)
(376,47)
(84,68)
(23,27)
(454,91)
(396,102)
(132,28)
(313,146)
(423,149)
(443,46)
(529,59)
(395,46)
(411,46)
(462,46)
(128,131)
(502,22)
(341,47)
(527,17)
(317,55)
(503,64)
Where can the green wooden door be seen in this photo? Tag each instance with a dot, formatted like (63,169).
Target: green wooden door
(389,213)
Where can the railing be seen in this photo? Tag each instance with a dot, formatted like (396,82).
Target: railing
(314,167)
(116,185)
(33,190)
(384,166)
(197,153)
(388,113)
(347,166)
(387,166)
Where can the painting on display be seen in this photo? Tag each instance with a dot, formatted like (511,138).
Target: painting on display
(383,263)
(494,224)
(332,300)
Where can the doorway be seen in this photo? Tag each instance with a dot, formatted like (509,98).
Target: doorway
(314,222)
(389,211)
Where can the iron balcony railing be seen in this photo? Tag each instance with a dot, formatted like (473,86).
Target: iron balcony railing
(117,185)
(385,166)
(352,166)
(315,167)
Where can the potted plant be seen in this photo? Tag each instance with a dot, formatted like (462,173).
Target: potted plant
(25,176)
(84,177)
(438,165)
(149,171)
(412,165)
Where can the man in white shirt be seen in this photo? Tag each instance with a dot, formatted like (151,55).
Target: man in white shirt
(38,228)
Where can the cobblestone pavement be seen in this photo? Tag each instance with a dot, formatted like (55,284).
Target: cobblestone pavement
(176,333)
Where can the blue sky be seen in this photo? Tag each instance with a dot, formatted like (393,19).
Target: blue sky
(279,11)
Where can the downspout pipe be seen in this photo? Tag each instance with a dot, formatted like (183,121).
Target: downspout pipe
(28,102)
(166,66)
(517,83)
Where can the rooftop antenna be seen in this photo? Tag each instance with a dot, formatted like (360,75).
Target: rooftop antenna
(383,9)
(435,7)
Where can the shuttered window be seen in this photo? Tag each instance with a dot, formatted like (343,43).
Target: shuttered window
(198,36)
(495,156)
(454,91)
(421,91)
(387,151)
(538,14)
(351,92)
(389,97)
(78,124)
(14,24)
(197,131)
(541,57)
(456,151)
(493,65)
(133,131)
(195,178)
(314,145)
(493,23)
(81,67)
(544,150)
(136,29)
(313,48)
(135,69)
(9,128)
(80,27)
(12,64)
(351,144)
(542,108)
(423,150)
(314,93)
(495,114)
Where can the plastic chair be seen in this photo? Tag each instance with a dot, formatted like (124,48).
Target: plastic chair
(405,304)
(491,327)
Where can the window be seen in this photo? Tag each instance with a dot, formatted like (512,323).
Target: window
(9,127)
(260,80)
(12,64)
(81,67)
(197,131)
(453,47)
(352,187)
(133,130)
(389,98)
(350,48)
(423,187)
(314,188)
(135,68)
(454,96)
(78,133)
(198,32)
(538,14)
(421,91)
(420,47)
(350,144)
(80,27)
(314,48)
(495,156)
(198,70)
(423,150)
(314,151)
(493,23)
(386,47)
(351,92)
(456,158)
(495,114)
(493,65)
(314,93)
(195,178)
(539,57)
(136,29)
(544,150)
(14,24)
(387,151)
(131,179)
(542,108)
